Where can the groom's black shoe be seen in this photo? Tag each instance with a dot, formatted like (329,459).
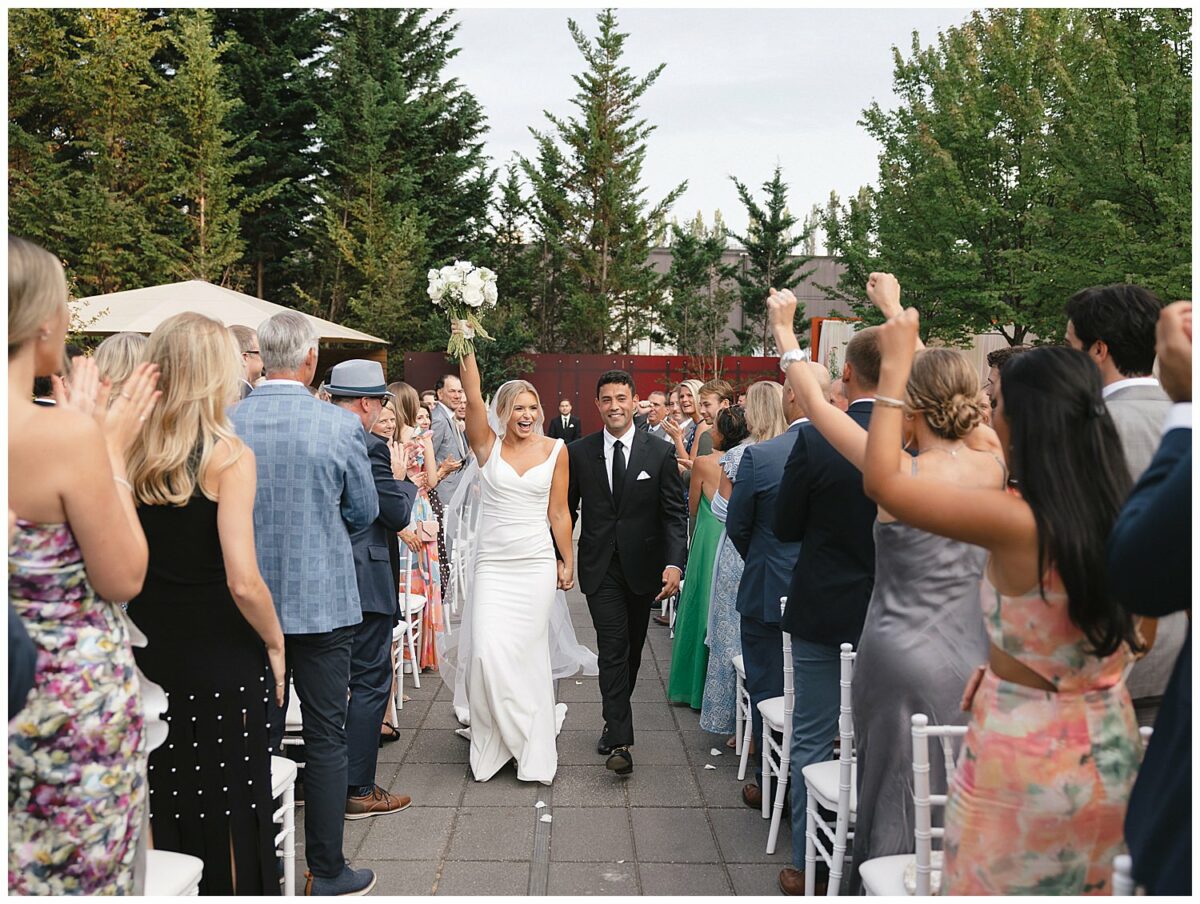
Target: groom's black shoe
(620,761)
(602,746)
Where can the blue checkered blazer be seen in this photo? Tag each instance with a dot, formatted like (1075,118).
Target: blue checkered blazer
(314,488)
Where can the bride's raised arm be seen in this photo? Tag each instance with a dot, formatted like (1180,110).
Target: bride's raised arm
(479,433)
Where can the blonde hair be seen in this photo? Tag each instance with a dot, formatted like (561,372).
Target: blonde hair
(117,356)
(944,389)
(407,403)
(506,401)
(37,290)
(764,410)
(693,386)
(200,371)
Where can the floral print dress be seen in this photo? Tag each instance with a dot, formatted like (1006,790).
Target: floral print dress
(76,751)
(1038,800)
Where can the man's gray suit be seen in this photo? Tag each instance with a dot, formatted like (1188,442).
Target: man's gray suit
(370,656)
(448,442)
(1139,413)
(314,488)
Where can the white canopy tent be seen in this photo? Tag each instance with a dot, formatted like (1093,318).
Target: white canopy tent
(141,310)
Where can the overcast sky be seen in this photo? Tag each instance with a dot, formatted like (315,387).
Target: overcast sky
(742,91)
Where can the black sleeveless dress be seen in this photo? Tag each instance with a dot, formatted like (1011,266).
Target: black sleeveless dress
(210,781)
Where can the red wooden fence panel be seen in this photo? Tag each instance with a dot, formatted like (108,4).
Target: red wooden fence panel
(573,377)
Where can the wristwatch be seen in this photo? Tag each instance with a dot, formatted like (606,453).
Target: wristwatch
(789,358)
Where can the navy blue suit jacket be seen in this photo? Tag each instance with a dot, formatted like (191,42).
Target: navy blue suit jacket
(1150,571)
(822,504)
(750,526)
(373,566)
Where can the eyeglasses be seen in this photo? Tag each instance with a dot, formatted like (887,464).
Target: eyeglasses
(251,351)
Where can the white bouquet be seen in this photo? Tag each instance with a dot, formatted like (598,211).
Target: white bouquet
(463,289)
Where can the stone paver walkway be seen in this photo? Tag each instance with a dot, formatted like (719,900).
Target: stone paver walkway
(671,828)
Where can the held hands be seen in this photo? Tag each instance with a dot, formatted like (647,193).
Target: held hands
(566,575)
(883,291)
(670,583)
(1173,346)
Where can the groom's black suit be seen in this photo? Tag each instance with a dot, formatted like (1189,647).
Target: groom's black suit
(623,550)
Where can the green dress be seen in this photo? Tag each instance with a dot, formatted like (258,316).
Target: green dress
(689,654)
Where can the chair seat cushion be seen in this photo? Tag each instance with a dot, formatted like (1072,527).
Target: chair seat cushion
(739,666)
(822,782)
(283,773)
(885,875)
(172,874)
(771,710)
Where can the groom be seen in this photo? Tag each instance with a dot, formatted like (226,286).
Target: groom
(632,546)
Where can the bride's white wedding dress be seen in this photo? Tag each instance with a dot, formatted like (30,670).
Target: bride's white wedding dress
(510,689)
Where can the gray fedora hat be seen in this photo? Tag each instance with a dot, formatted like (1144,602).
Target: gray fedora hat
(357,378)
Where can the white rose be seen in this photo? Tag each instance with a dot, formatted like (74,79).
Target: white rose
(490,294)
(464,267)
(432,275)
(488,275)
(473,280)
(472,296)
(436,290)
(449,274)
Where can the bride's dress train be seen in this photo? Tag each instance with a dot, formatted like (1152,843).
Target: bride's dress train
(505,636)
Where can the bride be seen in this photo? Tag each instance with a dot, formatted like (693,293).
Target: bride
(504,642)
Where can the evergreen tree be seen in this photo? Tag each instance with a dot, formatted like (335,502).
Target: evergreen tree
(608,229)
(769,244)
(556,309)
(91,154)
(694,319)
(265,60)
(207,193)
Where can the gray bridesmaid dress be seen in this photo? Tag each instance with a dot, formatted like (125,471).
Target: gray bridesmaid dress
(922,638)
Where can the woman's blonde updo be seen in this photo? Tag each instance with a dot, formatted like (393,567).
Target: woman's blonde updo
(944,389)
(506,401)
(200,375)
(117,356)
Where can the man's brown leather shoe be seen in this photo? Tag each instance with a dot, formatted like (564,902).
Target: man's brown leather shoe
(377,803)
(791,882)
(752,796)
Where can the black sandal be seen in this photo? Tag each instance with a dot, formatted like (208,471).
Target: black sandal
(388,734)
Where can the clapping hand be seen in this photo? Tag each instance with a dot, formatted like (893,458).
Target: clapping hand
(883,291)
(83,391)
(399,456)
(671,428)
(137,398)
(1173,345)
(448,466)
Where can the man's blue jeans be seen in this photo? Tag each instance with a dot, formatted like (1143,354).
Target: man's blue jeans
(814,724)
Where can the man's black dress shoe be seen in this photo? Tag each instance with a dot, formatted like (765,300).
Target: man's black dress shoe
(620,761)
(602,746)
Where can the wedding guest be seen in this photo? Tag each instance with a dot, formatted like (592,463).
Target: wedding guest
(314,488)
(116,357)
(429,397)
(429,574)
(1030,805)
(641,414)
(566,425)
(996,359)
(214,641)
(658,413)
(1150,571)
(358,386)
(448,442)
(77,544)
(424,417)
(923,635)
(674,413)
(252,361)
(1115,326)
(821,505)
(764,421)
(689,654)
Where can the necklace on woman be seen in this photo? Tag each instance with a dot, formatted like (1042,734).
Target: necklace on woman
(952,452)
